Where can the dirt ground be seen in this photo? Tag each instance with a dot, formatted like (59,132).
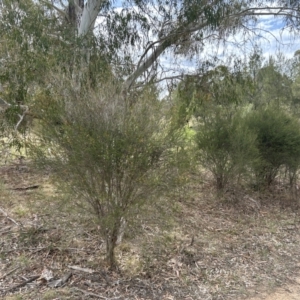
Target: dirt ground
(287,292)
(236,247)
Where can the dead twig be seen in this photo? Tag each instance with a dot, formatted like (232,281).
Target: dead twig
(38,250)
(5,229)
(86,270)
(95,295)
(9,272)
(25,111)
(32,187)
(4,232)
(90,271)
(21,284)
(9,218)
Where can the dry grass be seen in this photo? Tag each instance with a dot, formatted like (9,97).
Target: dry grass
(200,247)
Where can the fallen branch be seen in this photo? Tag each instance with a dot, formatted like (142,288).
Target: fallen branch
(22,284)
(60,282)
(35,250)
(90,271)
(95,295)
(86,270)
(31,187)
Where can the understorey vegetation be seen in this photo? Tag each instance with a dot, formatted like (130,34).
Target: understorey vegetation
(148,170)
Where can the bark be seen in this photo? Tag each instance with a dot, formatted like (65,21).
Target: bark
(121,232)
(145,65)
(220,182)
(111,242)
(158,50)
(89,15)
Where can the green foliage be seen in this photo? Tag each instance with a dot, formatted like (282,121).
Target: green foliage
(219,86)
(113,156)
(295,70)
(231,137)
(278,142)
(25,48)
(268,81)
(226,146)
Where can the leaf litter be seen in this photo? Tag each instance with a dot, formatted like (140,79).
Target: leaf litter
(238,245)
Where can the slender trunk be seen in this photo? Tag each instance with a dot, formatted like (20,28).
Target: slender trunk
(111,242)
(121,231)
(220,182)
(292,176)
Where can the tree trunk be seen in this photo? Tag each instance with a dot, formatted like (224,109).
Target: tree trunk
(220,182)
(111,242)
(89,15)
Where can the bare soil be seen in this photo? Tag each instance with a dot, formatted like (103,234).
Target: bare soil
(197,245)
(290,291)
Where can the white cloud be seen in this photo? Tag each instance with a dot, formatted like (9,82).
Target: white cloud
(267,34)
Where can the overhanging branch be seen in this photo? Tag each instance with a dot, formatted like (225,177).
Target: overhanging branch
(60,11)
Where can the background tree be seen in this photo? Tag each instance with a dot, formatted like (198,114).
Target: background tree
(136,36)
(270,86)
(278,142)
(244,120)
(225,144)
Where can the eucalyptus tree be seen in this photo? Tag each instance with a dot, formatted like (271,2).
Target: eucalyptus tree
(137,34)
(270,85)
(180,27)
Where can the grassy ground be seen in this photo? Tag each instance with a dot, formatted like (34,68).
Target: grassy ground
(201,247)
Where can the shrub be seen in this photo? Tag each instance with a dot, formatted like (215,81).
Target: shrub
(278,142)
(226,145)
(112,154)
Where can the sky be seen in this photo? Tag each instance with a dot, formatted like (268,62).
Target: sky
(270,39)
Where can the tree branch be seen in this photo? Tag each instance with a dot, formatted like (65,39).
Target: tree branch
(4,104)
(175,36)
(146,51)
(62,4)
(140,84)
(22,116)
(271,11)
(164,44)
(60,11)
(145,65)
